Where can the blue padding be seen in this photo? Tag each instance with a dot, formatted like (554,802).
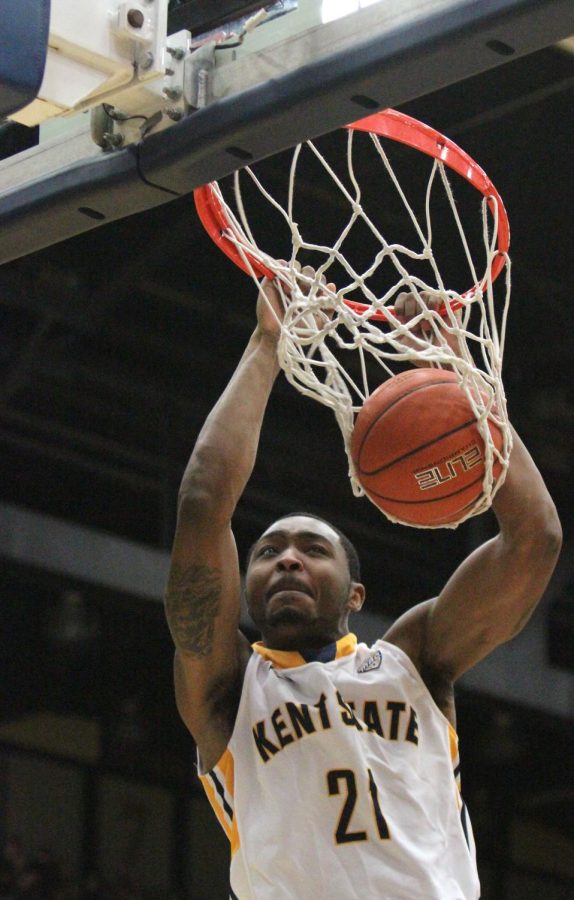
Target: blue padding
(24,26)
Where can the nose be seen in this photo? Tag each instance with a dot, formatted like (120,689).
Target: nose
(288,561)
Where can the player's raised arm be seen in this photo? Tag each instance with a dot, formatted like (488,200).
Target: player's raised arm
(491,596)
(203,590)
(493,593)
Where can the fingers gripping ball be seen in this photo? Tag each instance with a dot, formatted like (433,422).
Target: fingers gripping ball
(417,449)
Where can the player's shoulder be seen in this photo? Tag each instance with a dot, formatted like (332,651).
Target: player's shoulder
(409,631)
(409,634)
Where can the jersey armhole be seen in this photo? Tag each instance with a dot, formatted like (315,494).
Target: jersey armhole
(407,662)
(202,771)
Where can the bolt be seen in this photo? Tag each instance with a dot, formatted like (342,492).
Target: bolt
(146,61)
(173,113)
(135,18)
(113,140)
(176,52)
(172,93)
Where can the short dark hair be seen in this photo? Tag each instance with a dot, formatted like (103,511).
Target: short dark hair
(349,548)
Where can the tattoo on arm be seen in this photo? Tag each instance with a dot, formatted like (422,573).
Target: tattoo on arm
(192,603)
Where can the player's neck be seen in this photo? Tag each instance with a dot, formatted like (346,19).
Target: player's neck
(302,643)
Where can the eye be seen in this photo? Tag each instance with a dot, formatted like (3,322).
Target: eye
(265,552)
(318,548)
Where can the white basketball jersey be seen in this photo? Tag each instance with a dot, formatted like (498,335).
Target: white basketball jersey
(340,782)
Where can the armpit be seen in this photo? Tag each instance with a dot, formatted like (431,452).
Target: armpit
(441,688)
(223,703)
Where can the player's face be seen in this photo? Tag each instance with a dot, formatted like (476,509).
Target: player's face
(298,587)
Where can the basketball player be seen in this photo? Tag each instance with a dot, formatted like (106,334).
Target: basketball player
(332,766)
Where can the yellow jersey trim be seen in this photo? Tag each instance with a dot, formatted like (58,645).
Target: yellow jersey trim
(291,659)
(223,774)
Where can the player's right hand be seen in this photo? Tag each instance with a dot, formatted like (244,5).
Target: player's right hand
(270,310)
(270,306)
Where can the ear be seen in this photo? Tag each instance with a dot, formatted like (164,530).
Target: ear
(356,596)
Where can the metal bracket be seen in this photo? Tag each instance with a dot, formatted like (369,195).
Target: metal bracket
(175,55)
(198,80)
(102,128)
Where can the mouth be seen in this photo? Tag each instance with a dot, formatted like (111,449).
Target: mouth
(288,584)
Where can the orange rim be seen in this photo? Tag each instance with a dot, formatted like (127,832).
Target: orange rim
(398,127)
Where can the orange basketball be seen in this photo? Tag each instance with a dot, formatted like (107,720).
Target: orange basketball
(417,450)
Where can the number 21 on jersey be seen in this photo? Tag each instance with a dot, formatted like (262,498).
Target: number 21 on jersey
(343,781)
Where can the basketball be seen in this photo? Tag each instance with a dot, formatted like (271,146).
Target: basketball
(417,450)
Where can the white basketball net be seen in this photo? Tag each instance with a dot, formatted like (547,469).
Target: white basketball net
(338,355)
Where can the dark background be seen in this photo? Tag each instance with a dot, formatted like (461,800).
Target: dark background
(114,347)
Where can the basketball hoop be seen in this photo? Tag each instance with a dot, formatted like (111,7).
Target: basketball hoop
(337,346)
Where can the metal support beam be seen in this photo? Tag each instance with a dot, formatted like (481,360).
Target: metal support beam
(379,69)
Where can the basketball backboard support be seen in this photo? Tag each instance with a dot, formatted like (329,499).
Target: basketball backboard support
(249,92)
